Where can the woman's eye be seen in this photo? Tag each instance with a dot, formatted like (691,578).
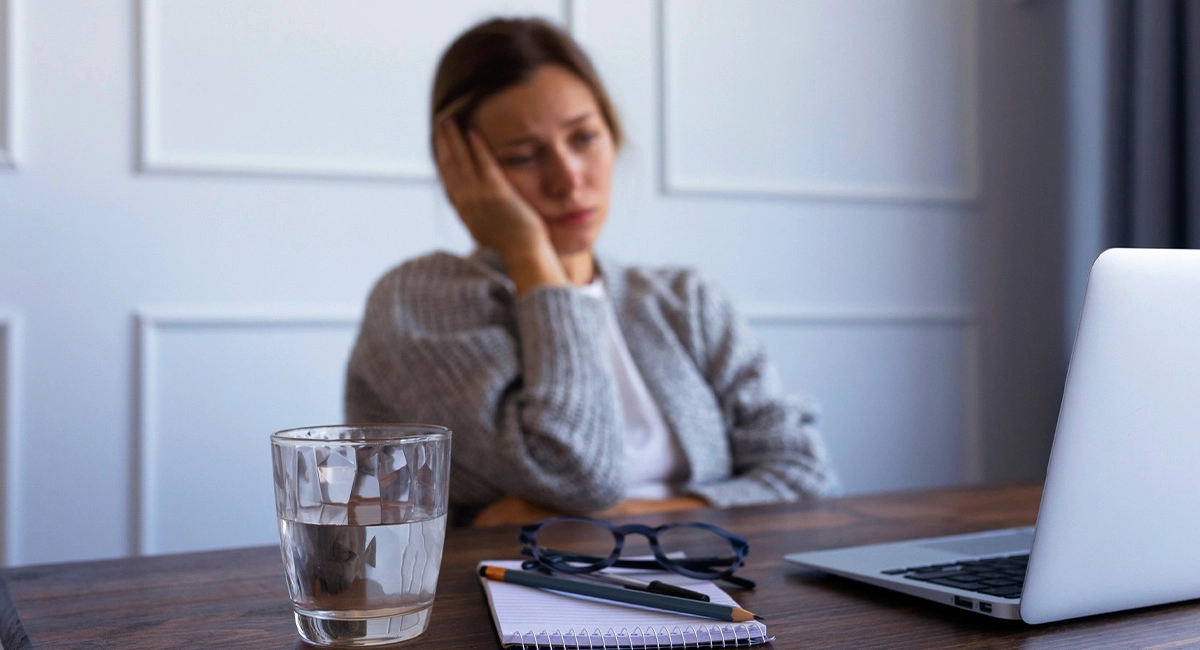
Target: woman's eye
(516,160)
(585,137)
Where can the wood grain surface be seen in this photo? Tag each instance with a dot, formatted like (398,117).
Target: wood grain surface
(238,599)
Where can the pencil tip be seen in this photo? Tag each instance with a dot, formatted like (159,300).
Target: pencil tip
(759,618)
(742,615)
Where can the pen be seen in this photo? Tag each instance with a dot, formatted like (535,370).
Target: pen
(647,599)
(666,589)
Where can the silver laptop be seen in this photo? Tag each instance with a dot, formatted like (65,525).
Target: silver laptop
(1119,522)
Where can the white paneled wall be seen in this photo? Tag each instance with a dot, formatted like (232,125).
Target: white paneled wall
(287,86)
(202,408)
(899,402)
(843,110)
(201,179)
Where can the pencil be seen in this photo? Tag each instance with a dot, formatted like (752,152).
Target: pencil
(646,599)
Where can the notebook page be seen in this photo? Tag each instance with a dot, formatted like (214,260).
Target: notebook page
(528,616)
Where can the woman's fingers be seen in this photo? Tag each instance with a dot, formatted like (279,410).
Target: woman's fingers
(442,155)
(491,208)
(454,158)
(497,184)
(468,168)
(489,169)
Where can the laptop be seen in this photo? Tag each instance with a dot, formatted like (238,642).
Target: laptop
(1119,522)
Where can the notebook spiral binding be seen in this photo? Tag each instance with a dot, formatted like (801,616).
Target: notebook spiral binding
(716,636)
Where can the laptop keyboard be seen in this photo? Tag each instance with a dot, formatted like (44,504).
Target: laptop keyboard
(994,576)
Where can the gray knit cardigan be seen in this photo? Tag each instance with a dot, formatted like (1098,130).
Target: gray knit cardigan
(526,385)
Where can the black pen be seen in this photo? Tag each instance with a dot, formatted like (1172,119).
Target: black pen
(654,586)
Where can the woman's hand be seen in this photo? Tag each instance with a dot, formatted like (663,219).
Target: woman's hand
(492,210)
(513,510)
(647,506)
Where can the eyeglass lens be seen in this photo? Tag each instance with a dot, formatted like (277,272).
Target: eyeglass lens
(580,542)
(699,545)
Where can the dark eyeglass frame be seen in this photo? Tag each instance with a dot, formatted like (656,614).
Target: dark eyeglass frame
(700,568)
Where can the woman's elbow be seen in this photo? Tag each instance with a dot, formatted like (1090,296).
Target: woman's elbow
(584,491)
(577,483)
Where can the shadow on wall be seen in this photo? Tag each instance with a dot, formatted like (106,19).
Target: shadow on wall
(1022,235)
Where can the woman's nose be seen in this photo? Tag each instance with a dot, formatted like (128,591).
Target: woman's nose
(563,174)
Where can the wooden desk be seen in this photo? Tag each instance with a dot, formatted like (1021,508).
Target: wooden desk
(238,599)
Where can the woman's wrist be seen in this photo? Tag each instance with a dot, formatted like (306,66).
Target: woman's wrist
(536,266)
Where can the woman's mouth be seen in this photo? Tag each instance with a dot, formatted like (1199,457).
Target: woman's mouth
(575,218)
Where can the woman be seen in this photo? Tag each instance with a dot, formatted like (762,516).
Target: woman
(572,383)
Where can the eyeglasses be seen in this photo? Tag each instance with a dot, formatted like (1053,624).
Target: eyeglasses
(583,544)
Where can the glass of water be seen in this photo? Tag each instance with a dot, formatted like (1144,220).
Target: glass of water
(362,517)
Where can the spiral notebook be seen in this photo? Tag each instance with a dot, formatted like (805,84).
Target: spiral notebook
(535,618)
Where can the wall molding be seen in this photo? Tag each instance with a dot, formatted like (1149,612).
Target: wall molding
(10,74)
(149,323)
(784,314)
(152,157)
(572,21)
(11,373)
(966,320)
(672,183)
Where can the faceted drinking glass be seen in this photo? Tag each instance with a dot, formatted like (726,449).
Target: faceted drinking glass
(362,517)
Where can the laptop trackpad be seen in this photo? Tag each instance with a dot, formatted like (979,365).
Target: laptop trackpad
(1001,544)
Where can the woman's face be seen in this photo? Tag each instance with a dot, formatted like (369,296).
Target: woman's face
(552,143)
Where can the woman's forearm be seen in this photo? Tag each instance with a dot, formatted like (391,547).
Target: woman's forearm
(532,267)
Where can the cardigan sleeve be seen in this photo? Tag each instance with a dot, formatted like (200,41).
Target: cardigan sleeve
(520,381)
(776,450)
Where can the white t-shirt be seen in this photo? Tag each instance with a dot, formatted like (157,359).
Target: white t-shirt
(654,460)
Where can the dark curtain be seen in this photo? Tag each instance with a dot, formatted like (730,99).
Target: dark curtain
(1154,188)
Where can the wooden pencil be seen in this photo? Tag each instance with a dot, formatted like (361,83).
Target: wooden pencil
(604,592)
